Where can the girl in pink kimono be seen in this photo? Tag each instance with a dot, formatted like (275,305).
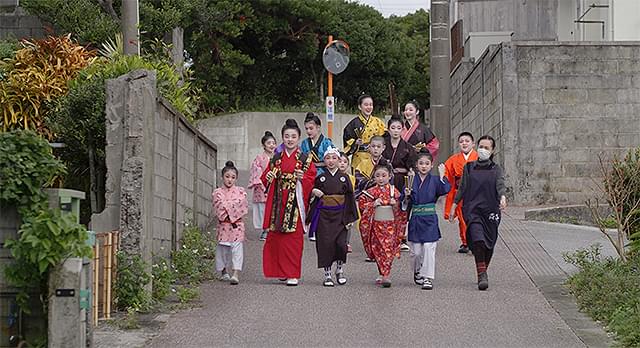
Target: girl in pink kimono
(258,166)
(230,206)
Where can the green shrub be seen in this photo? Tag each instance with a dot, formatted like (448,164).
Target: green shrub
(132,278)
(187,294)
(163,275)
(609,291)
(194,260)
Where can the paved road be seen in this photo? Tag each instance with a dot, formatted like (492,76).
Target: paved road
(264,313)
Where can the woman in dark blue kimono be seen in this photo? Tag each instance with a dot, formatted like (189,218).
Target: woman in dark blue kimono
(420,197)
(483,191)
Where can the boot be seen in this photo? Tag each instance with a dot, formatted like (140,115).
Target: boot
(483,281)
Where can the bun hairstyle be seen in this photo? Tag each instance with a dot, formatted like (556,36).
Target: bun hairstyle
(424,153)
(267,135)
(415,105)
(383,166)
(290,124)
(311,117)
(229,166)
(363,97)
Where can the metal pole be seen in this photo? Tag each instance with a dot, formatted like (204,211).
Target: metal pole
(440,88)
(330,94)
(130,25)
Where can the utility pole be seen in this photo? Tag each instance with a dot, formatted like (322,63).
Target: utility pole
(440,83)
(130,27)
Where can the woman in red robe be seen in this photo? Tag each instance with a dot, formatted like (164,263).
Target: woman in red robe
(289,180)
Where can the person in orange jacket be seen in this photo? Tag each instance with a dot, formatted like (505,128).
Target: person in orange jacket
(453,167)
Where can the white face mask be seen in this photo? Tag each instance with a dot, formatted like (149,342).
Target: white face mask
(483,154)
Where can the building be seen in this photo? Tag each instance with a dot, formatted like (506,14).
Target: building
(555,82)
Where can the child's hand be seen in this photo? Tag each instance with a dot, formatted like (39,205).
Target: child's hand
(377,202)
(392,201)
(407,191)
(452,214)
(270,176)
(298,173)
(441,170)
(503,203)
(316,192)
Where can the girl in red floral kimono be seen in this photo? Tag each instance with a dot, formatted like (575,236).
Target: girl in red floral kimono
(289,180)
(382,221)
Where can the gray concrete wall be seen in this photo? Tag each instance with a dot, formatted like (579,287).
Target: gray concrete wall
(160,169)
(19,25)
(529,20)
(238,135)
(553,108)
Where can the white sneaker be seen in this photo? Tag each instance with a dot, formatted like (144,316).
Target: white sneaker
(234,280)
(404,247)
(226,277)
(313,239)
(292,282)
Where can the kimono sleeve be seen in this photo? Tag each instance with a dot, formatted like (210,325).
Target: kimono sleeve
(450,176)
(350,207)
(263,176)
(236,205)
(442,187)
(255,174)
(308,180)
(219,207)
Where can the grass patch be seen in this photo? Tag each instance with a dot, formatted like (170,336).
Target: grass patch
(608,290)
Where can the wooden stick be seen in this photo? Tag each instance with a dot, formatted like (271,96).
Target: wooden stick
(108,274)
(96,280)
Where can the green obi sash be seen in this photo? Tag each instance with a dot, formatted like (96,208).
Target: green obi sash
(423,209)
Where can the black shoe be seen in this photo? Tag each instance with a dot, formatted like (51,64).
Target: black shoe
(418,279)
(463,249)
(368,259)
(328,282)
(341,279)
(483,281)
(386,283)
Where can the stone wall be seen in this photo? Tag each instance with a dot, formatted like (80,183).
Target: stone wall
(238,135)
(19,25)
(160,169)
(553,108)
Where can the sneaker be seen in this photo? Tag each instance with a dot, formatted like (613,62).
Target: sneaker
(368,259)
(463,249)
(226,277)
(404,247)
(418,279)
(483,281)
(292,282)
(341,279)
(263,236)
(312,239)
(428,284)
(386,283)
(349,250)
(327,282)
(234,280)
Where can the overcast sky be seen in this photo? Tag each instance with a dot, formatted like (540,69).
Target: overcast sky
(397,7)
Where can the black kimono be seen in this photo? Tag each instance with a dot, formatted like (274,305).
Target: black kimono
(330,215)
(401,158)
(420,137)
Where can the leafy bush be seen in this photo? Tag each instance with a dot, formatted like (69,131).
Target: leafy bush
(187,294)
(45,241)
(38,74)
(609,291)
(193,261)
(26,166)
(131,280)
(163,275)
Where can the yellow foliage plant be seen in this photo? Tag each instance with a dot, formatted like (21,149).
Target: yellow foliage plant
(39,73)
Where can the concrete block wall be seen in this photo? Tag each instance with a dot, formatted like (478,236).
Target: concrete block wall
(160,169)
(553,108)
(17,24)
(238,135)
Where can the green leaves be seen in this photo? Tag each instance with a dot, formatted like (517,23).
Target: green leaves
(26,166)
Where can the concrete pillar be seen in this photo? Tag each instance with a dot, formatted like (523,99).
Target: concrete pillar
(130,24)
(67,320)
(440,90)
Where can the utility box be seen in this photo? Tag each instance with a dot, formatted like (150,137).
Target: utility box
(66,200)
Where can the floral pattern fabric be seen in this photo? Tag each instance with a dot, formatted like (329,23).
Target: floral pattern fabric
(230,206)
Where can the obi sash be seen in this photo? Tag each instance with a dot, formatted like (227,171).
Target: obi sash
(384,213)
(423,209)
(327,202)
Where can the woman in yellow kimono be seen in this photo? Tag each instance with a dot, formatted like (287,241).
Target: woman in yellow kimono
(358,132)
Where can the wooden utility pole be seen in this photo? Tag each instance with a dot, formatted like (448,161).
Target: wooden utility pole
(130,27)
(440,83)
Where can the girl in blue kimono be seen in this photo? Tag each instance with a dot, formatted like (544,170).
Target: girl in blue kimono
(420,197)
(315,146)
